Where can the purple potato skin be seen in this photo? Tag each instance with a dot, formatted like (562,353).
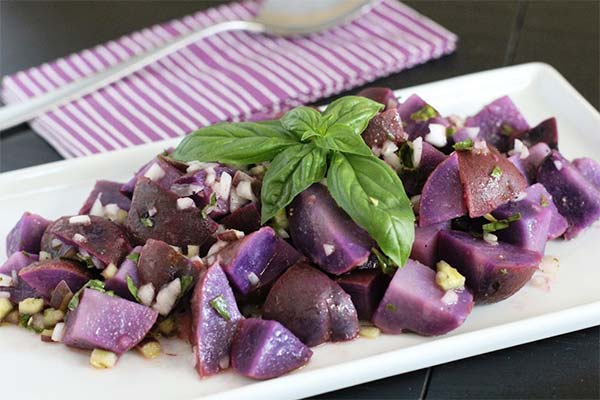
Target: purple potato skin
(381,95)
(171,225)
(16,262)
(110,193)
(590,169)
(284,256)
(414,180)
(160,264)
(212,334)
(44,276)
(107,322)
(26,234)
(384,126)
(545,132)
(493,272)
(171,174)
(424,247)
(575,197)
(315,220)
(311,306)
(442,198)
(366,288)
(497,121)
(245,219)
(413,128)
(105,240)
(264,349)
(413,302)
(118,283)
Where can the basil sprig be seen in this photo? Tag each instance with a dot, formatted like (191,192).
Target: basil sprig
(299,146)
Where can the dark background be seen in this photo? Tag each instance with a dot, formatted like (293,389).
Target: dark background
(492,34)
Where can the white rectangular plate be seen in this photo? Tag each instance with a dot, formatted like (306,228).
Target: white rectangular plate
(34,370)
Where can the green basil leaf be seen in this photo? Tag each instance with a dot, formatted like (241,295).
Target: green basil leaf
(342,138)
(220,306)
(291,172)
(133,289)
(373,195)
(241,143)
(353,111)
(304,122)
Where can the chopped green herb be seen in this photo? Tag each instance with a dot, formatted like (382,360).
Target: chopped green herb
(424,114)
(506,129)
(210,206)
(91,284)
(132,288)
(464,145)
(496,172)
(406,156)
(147,222)
(450,131)
(501,224)
(186,283)
(220,306)
(504,271)
(134,257)
(544,201)
(24,320)
(387,266)
(390,307)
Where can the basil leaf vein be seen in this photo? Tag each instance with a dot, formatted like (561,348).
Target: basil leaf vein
(355,112)
(341,138)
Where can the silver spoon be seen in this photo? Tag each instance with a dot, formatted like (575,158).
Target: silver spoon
(276,17)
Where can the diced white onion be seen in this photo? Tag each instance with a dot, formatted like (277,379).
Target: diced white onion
(216,247)
(376,150)
(80,219)
(450,297)
(110,271)
(152,211)
(146,294)
(155,172)
(417,151)
(56,243)
(193,250)
(550,266)
(244,190)
(185,190)
(480,147)
(97,208)
(456,120)
(58,332)
(79,238)
(211,176)
(471,131)
(389,147)
(415,201)
(176,248)
(490,238)
(328,249)
(5,281)
(520,196)
(167,296)
(253,279)
(44,255)
(183,203)
(111,211)
(235,201)
(558,164)
(223,186)
(520,149)
(437,135)
(194,166)
(392,160)
(224,362)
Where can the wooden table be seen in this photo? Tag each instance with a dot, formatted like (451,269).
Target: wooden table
(492,34)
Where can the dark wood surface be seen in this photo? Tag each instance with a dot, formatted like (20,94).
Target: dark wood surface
(492,34)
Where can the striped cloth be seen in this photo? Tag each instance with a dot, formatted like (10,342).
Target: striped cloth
(232,76)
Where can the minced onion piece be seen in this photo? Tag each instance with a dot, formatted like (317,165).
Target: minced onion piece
(393,160)
(490,238)
(183,203)
(146,294)
(472,131)
(184,189)
(79,238)
(369,332)
(102,359)
(558,164)
(376,151)
(152,211)
(223,186)
(194,166)
(97,208)
(480,147)
(80,219)
(5,308)
(176,248)
(450,297)
(219,244)
(388,147)
(52,317)
(155,172)
(44,255)
(415,202)
(520,149)
(211,176)
(167,296)
(328,249)
(31,306)
(417,151)
(54,243)
(456,120)
(110,271)
(15,276)
(437,135)
(58,332)
(150,349)
(244,190)
(193,250)
(253,279)
(520,196)
(6,280)
(224,362)
(235,201)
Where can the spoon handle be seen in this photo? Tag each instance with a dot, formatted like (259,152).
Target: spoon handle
(15,114)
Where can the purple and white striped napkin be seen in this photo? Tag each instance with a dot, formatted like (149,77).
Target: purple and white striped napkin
(228,77)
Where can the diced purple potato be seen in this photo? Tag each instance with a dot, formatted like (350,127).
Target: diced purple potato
(60,296)
(264,349)
(590,169)
(414,302)
(27,234)
(413,126)
(106,192)
(493,272)
(245,219)
(324,233)
(311,306)
(545,132)
(383,127)
(424,248)
(537,194)
(213,331)
(284,256)
(16,262)
(529,166)
(107,322)
(497,121)
(160,171)
(103,240)
(160,264)
(414,180)
(128,267)
(366,288)
(178,227)
(442,198)
(574,196)
(44,276)
(488,180)
(381,95)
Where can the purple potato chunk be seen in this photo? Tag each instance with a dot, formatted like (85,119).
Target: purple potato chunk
(493,272)
(416,116)
(497,122)
(381,95)
(97,241)
(366,288)
(160,264)
(245,219)
(414,302)
(44,276)
(26,234)
(442,198)
(264,349)
(311,306)
(538,194)
(169,223)
(414,179)
(105,192)
(424,247)
(159,170)
(383,127)
(575,197)
(60,296)
(545,132)
(16,262)
(529,166)
(107,322)
(215,317)
(128,268)
(324,233)
(590,169)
